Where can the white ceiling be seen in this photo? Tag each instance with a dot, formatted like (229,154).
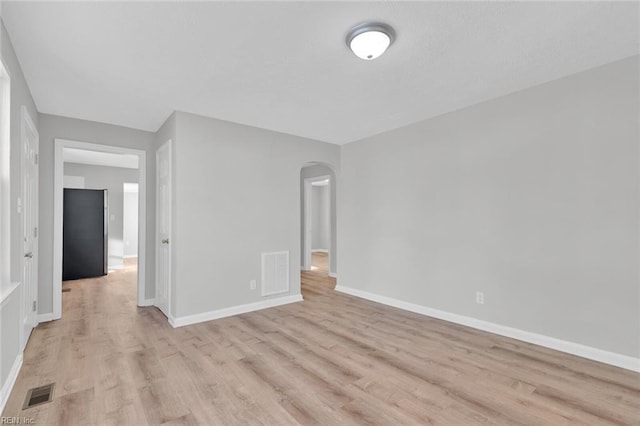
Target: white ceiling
(285,66)
(97,158)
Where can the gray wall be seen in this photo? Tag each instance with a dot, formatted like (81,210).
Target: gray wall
(316,170)
(52,127)
(10,308)
(532,198)
(20,96)
(236,195)
(320,218)
(112,179)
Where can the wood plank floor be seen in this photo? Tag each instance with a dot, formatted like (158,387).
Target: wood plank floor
(330,360)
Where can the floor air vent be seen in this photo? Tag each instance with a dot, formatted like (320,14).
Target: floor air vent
(275,273)
(37,396)
(65,290)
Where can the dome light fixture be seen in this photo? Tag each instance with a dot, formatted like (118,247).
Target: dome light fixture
(370,40)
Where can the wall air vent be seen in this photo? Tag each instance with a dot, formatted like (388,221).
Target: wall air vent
(275,273)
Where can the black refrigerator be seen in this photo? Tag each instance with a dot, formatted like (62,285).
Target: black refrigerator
(84,233)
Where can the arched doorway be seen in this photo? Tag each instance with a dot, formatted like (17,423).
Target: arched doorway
(318,231)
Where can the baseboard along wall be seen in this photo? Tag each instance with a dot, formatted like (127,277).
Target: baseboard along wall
(10,382)
(234,310)
(595,354)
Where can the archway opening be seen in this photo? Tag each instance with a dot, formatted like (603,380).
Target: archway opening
(318,239)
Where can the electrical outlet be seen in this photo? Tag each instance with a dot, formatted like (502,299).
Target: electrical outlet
(479,298)
(252,284)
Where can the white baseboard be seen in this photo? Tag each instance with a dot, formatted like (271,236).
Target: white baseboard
(234,310)
(320,251)
(7,387)
(148,302)
(612,358)
(45,317)
(129,256)
(333,275)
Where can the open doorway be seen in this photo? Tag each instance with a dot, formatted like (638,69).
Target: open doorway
(317,223)
(99,219)
(130,202)
(318,220)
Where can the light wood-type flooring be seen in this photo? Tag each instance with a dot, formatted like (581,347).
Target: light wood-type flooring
(330,360)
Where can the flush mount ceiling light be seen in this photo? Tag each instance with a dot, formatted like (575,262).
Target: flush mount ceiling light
(370,40)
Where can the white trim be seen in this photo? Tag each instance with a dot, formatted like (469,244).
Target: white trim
(618,360)
(58,178)
(5,296)
(333,275)
(10,382)
(234,310)
(172,320)
(320,251)
(44,318)
(148,302)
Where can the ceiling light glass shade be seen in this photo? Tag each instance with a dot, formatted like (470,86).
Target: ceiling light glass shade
(369,41)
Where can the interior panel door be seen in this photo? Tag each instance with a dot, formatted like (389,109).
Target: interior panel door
(163,228)
(30,144)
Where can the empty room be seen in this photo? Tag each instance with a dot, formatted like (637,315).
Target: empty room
(319,213)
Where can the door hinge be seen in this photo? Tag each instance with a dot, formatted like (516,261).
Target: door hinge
(34,305)
(35,159)
(35,232)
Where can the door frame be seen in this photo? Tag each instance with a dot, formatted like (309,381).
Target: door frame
(27,122)
(306,247)
(58,178)
(169,145)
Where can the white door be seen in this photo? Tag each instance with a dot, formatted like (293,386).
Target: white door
(30,229)
(163,227)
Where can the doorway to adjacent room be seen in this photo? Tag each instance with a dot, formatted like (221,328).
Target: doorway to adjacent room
(118,175)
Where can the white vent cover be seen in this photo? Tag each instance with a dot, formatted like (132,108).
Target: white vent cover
(275,273)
